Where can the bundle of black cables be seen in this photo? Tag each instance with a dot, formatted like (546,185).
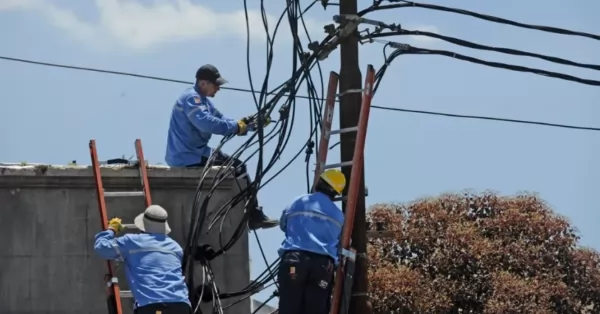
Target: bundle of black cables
(285,92)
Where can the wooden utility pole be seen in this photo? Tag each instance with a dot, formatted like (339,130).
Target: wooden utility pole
(350,103)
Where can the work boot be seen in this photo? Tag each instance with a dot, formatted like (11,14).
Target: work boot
(259,220)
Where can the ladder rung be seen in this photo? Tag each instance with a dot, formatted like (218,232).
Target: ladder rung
(338,165)
(346,130)
(126,294)
(124,194)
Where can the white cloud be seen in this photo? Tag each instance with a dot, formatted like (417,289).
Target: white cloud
(137,25)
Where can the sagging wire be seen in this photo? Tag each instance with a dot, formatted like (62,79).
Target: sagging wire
(288,89)
(402,48)
(198,215)
(473,45)
(408,49)
(410,4)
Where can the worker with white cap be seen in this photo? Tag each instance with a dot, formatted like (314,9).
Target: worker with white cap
(153,262)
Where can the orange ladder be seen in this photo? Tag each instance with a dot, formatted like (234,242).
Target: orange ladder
(345,271)
(114,293)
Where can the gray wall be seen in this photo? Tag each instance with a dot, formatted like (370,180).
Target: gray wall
(49,217)
(265,309)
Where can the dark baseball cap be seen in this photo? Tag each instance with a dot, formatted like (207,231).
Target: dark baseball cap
(209,72)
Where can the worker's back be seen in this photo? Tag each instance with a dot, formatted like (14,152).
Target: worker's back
(312,223)
(186,144)
(153,270)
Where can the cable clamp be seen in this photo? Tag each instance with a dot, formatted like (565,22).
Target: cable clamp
(399,46)
(350,91)
(349,254)
(351,23)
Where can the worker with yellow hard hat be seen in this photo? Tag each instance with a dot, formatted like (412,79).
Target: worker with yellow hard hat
(312,224)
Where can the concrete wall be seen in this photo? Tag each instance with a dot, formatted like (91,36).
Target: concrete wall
(50,215)
(264,309)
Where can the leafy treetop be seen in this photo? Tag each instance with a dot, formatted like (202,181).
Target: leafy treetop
(479,253)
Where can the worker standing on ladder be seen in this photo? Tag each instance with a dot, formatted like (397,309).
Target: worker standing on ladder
(194,120)
(153,262)
(309,253)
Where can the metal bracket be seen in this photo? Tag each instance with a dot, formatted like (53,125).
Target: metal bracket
(350,91)
(355,19)
(112,281)
(343,31)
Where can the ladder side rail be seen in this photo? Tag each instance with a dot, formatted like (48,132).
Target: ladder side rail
(113,287)
(355,178)
(143,172)
(326,126)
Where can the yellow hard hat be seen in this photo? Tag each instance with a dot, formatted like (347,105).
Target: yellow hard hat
(335,178)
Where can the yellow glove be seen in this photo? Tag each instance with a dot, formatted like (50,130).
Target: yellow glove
(115,224)
(242,128)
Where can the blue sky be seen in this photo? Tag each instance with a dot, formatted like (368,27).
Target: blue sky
(49,114)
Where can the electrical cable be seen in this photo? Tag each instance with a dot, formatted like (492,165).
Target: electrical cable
(406,49)
(453,115)
(286,122)
(299,74)
(531,122)
(473,45)
(490,18)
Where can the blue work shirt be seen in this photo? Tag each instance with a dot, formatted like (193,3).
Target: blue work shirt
(152,265)
(312,223)
(194,119)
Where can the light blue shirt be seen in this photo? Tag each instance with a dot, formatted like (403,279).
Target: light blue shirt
(194,119)
(312,223)
(153,265)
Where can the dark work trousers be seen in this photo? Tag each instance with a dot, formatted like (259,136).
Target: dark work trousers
(222,159)
(164,308)
(305,283)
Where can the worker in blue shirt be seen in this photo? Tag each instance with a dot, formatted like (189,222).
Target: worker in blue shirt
(312,225)
(194,119)
(153,262)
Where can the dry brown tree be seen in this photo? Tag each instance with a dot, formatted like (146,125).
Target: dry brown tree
(479,253)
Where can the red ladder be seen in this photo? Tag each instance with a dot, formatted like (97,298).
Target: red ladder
(114,293)
(343,284)
(326,127)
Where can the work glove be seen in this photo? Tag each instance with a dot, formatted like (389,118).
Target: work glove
(115,225)
(242,127)
(205,252)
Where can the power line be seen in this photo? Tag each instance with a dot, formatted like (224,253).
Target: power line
(452,115)
(402,48)
(408,49)
(245,90)
(490,18)
(469,44)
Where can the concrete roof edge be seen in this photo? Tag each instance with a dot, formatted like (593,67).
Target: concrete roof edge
(107,170)
(114,176)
